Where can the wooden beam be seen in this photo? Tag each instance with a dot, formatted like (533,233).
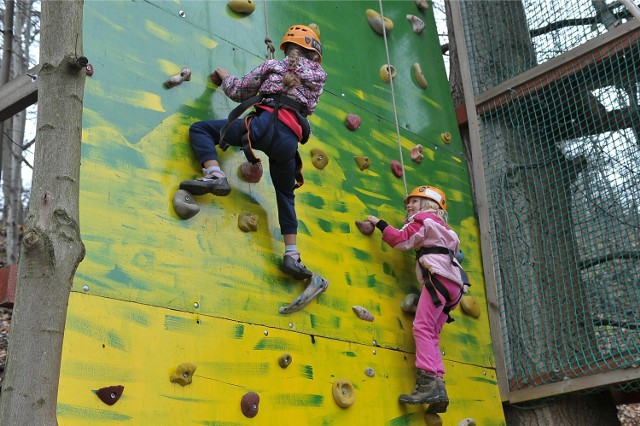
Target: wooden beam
(481,200)
(569,63)
(19,93)
(576,384)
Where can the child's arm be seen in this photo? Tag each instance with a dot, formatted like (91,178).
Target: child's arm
(401,239)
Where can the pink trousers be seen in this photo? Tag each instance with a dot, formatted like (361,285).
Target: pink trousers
(428,324)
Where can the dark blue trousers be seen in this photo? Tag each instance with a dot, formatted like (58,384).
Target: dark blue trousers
(269,136)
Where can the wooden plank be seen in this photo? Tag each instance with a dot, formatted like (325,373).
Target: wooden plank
(569,63)
(573,385)
(19,93)
(481,202)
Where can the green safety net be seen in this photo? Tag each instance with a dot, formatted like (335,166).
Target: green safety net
(561,159)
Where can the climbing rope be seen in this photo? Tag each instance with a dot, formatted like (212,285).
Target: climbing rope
(267,40)
(393,97)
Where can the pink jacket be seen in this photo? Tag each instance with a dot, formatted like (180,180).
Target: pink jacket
(426,229)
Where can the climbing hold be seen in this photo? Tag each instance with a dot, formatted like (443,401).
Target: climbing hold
(467,422)
(387,73)
(184,204)
(183,374)
(416,23)
(248,222)
(249,404)
(315,28)
(111,394)
(417,72)
(89,70)
(416,153)
(215,78)
(396,167)
(250,172)
(242,6)
(432,419)
(343,393)
(422,5)
(446,137)
(460,256)
(362,313)
(184,75)
(362,162)
(377,23)
(410,303)
(365,227)
(369,372)
(353,121)
(284,360)
(319,158)
(316,285)
(470,305)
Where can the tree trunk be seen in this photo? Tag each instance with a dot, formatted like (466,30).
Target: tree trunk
(5,69)
(592,409)
(13,154)
(51,248)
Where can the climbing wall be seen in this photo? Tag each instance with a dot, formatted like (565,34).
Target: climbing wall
(175,321)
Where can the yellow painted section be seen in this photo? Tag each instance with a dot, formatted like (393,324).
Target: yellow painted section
(155,291)
(142,348)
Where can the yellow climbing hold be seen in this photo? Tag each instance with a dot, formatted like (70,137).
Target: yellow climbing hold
(319,158)
(378,24)
(315,28)
(470,305)
(387,73)
(432,419)
(248,222)
(417,72)
(362,162)
(343,393)
(284,360)
(183,374)
(242,6)
(446,137)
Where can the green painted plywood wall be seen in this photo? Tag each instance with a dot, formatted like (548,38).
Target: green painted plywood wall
(155,291)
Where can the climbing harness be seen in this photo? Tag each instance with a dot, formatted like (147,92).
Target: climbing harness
(393,97)
(433,284)
(273,101)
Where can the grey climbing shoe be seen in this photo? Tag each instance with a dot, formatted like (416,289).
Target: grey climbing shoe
(209,184)
(441,405)
(295,268)
(425,392)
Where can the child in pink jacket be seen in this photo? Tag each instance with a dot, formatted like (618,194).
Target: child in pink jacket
(442,278)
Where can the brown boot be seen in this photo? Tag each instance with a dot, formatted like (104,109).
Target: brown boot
(440,406)
(425,392)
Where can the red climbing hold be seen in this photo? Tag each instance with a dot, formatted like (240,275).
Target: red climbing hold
(249,404)
(110,394)
(397,168)
(353,121)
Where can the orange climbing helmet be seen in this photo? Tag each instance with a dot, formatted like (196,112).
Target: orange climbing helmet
(304,37)
(430,192)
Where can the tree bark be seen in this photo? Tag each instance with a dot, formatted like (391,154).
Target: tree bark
(592,409)
(52,248)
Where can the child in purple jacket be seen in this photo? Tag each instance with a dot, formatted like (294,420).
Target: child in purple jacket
(283,93)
